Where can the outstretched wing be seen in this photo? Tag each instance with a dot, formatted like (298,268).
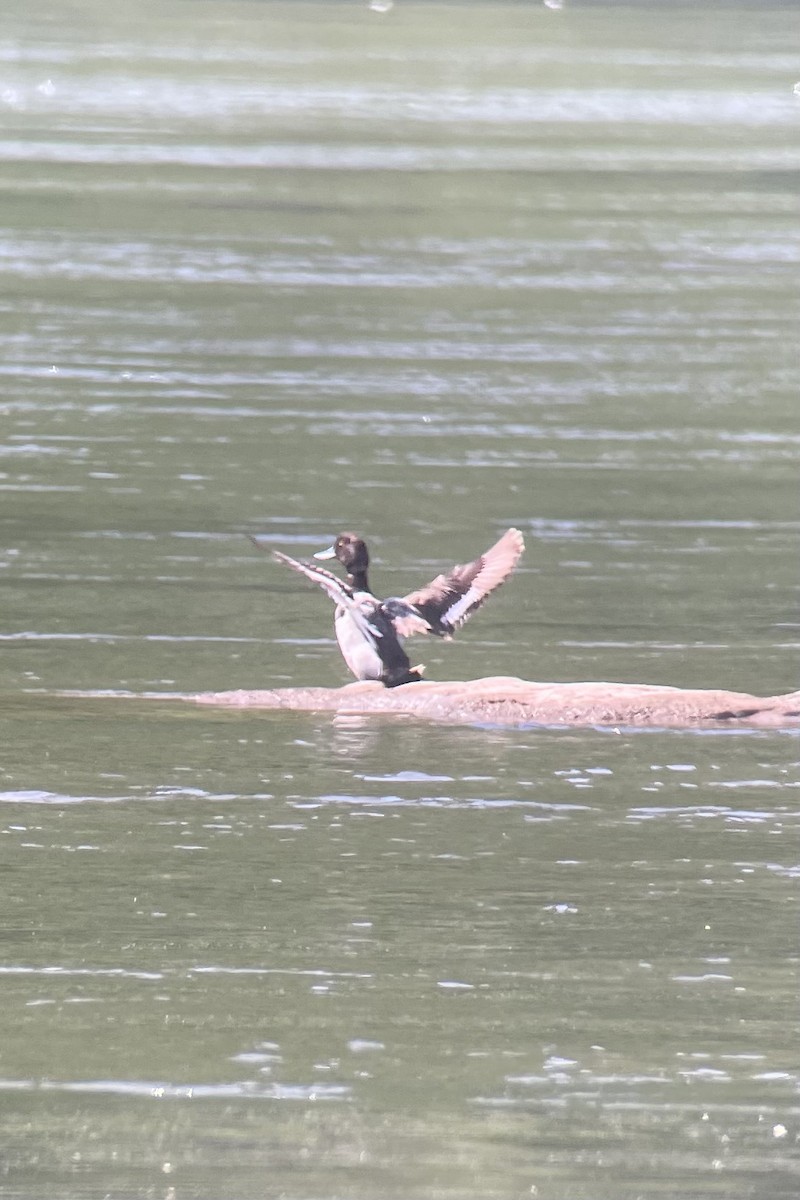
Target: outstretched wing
(338,591)
(449,600)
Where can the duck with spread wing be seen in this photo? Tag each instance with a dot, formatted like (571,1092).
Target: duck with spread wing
(370,632)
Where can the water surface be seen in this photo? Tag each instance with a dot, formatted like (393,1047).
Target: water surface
(428,273)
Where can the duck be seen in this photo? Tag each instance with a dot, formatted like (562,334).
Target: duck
(370,631)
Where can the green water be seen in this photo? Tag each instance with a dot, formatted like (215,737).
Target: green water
(291,268)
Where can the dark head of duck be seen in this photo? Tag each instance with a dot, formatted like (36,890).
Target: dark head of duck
(351,551)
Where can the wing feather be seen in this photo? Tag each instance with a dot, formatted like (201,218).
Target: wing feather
(339,592)
(450,599)
(406,620)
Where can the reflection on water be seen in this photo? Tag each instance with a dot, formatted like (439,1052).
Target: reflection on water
(428,272)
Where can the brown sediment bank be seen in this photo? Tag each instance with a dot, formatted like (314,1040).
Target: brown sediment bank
(505,700)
